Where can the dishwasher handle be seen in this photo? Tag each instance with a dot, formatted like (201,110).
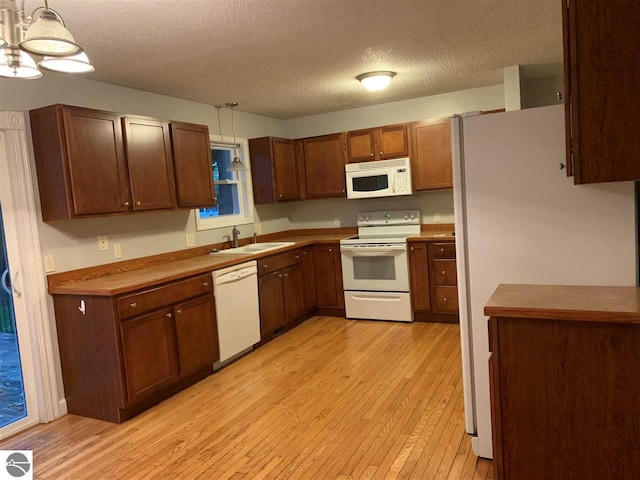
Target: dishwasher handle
(235,276)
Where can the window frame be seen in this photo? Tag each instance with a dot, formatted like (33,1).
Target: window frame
(245,189)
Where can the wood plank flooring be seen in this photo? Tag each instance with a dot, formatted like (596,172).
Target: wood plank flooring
(332,399)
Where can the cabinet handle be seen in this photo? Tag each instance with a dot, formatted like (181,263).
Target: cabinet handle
(286,274)
(304,253)
(178,311)
(126,204)
(297,257)
(138,202)
(169,315)
(264,266)
(134,305)
(280,276)
(205,284)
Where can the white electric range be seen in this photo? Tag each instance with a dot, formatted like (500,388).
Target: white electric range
(375,267)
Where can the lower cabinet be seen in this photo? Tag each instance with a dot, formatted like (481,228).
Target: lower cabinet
(419,275)
(328,276)
(120,355)
(271,293)
(308,272)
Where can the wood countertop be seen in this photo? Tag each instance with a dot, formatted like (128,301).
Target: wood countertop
(574,303)
(432,236)
(129,281)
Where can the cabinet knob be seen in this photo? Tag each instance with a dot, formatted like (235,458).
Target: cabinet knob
(280,196)
(331,249)
(126,204)
(264,266)
(444,298)
(179,311)
(205,284)
(286,274)
(169,315)
(411,248)
(442,250)
(381,154)
(443,272)
(138,202)
(134,305)
(371,154)
(280,276)
(342,191)
(304,253)
(297,257)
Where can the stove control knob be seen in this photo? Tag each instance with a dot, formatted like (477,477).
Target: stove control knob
(406,217)
(413,216)
(361,218)
(367,217)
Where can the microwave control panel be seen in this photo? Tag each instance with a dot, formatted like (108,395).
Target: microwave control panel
(403,181)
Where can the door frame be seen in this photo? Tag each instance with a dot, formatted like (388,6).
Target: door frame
(18,197)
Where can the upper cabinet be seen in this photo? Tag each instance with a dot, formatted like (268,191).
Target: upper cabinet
(91,163)
(324,160)
(192,165)
(431,154)
(602,91)
(148,149)
(273,170)
(378,143)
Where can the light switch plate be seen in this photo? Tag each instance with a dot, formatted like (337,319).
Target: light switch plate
(117,250)
(103,243)
(191,239)
(49,264)
(437,217)
(336,222)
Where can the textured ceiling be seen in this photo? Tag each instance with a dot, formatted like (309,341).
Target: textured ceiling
(289,58)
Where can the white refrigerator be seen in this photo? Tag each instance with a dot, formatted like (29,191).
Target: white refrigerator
(519,219)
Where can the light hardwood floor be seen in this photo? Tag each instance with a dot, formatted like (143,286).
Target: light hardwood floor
(332,399)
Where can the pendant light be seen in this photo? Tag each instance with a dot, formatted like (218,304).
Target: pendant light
(236,164)
(14,63)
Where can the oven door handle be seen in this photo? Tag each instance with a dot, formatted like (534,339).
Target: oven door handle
(369,251)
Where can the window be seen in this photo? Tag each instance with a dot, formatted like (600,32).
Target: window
(233,190)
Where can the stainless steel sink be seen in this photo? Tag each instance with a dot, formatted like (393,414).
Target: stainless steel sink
(254,248)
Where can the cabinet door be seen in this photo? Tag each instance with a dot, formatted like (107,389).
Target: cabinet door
(294,301)
(309,280)
(326,265)
(271,293)
(419,271)
(97,166)
(150,166)
(192,165)
(604,91)
(284,167)
(324,159)
(149,352)
(393,142)
(197,335)
(361,145)
(431,154)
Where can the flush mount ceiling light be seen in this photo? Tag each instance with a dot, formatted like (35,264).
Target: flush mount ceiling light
(236,164)
(376,81)
(42,33)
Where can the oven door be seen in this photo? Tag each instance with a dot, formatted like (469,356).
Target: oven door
(375,268)
(370,183)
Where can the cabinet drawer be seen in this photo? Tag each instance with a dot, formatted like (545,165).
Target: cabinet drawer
(446,299)
(278,262)
(444,250)
(158,297)
(444,272)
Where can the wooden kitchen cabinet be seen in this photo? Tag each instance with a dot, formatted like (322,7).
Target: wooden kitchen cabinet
(122,354)
(602,92)
(380,143)
(149,354)
(92,163)
(443,277)
(148,150)
(324,161)
(328,276)
(419,274)
(431,162)
(273,170)
(193,170)
(272,314)
(564,386)
(309,280)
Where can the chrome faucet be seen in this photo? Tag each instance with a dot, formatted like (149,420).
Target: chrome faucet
(234,233)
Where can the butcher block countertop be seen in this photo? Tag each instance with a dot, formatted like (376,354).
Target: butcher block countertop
(118,283)
(573,303)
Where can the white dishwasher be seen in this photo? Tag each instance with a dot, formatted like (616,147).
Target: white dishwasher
(237,310)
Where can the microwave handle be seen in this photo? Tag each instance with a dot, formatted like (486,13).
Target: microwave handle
(392,178)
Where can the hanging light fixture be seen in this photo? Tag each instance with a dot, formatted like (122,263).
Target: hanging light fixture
(42,33)
(376,81)
(236,164)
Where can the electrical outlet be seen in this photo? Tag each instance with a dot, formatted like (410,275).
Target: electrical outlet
(49,264)
(117,251)
(191,239)
(437,218)
(336,222)
(103,243)
(258,228)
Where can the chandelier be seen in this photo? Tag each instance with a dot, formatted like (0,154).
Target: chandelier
(42,34)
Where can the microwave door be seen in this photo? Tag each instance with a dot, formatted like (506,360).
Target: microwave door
(369,183)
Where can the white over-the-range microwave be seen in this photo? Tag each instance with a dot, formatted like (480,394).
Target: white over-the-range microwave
(384,178)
